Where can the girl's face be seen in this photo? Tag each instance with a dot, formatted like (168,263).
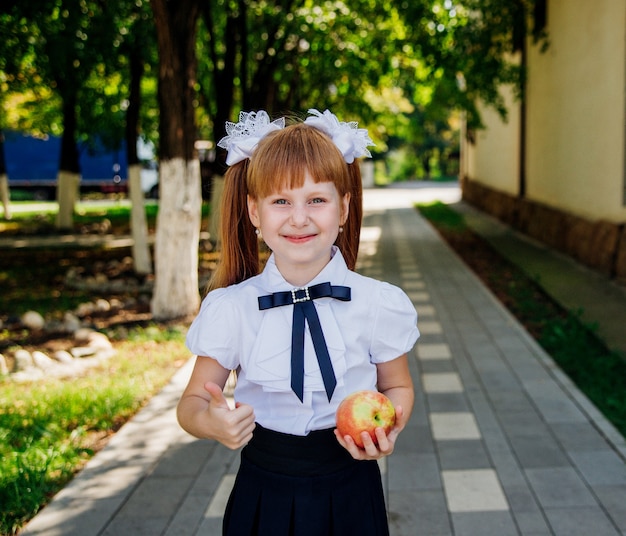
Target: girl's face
(300,226)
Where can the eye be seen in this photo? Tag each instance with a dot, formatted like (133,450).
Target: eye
(317,200)
(279,201)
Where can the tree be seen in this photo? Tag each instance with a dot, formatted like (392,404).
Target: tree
(14,54)
(75,38)
(72,42)
(135,49)
(178,224)
(473,47)
(291,55)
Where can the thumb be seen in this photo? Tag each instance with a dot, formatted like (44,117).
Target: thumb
(217,395)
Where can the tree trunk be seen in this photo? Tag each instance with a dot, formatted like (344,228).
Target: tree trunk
(4,195)
(4,181)
(176,290)
(138,222)
(67,194)
(142,260)
(69,168)
(178,234)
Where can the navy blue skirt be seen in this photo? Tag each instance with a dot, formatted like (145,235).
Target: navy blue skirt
(304,486)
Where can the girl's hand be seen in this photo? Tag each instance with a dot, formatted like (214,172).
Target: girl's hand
(231,427)
(370,450)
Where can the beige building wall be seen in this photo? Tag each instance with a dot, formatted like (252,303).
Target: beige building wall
(576,116)
(494,158)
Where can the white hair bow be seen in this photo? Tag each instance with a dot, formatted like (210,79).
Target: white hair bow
(350,140)
(243,137)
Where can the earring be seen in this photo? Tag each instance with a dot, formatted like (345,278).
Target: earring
(341,229)
(257,232)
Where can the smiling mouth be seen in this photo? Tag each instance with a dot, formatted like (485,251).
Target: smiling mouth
(301,238)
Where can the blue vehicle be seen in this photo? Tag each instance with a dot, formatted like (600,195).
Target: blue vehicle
(33,163)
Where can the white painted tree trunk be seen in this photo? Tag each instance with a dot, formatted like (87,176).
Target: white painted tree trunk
(176,292)
(67,196)
(4,195)
(138,222)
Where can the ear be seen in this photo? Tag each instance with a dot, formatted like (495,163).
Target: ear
(253,211)
(345,208)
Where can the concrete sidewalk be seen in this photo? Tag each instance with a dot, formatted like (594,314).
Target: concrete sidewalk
(500,442)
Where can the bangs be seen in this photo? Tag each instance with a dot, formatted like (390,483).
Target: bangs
(283,157)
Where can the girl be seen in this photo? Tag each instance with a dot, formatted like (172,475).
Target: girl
(301,335)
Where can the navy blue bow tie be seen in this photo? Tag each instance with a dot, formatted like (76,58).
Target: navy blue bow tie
(303,307)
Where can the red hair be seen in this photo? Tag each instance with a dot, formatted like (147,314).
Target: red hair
(281,161)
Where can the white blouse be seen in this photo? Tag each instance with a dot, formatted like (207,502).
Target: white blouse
(379,324)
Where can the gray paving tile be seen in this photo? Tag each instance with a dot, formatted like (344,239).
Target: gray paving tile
(137,526)
(413,472)
(532,523)
(602,467)
(447,402)
(578,436)
(523,423)
(468,454)
(418,513)
(208,526)
(613,499)
(560,487)
(76,517)
(553,404)
(581,521)
(430,366)
(538,451)
(484,523)
(188,516)
(510,401)
(510,473)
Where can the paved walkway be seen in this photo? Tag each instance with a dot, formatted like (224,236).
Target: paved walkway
(500,443)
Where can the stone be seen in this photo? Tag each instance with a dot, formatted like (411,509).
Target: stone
(101,279)
(41,360)
(116,303)
(82,351)
(33,320)
(98,340)
(71,322)
(63,356)
(82,335)
(85,309)
(102,305)
(23,360)
(28,375)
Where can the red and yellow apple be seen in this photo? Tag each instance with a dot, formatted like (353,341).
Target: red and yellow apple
(364,411)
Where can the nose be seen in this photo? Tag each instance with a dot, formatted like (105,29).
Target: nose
(299,216)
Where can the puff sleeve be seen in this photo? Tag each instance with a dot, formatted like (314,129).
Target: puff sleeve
(395,325)
(211,333)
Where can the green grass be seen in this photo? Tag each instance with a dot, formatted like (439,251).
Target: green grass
(574,345)
(49,429)
(39,217)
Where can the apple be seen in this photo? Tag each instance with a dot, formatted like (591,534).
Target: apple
(364,411)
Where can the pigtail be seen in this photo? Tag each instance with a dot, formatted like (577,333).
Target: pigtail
(238,243)
(348,241)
